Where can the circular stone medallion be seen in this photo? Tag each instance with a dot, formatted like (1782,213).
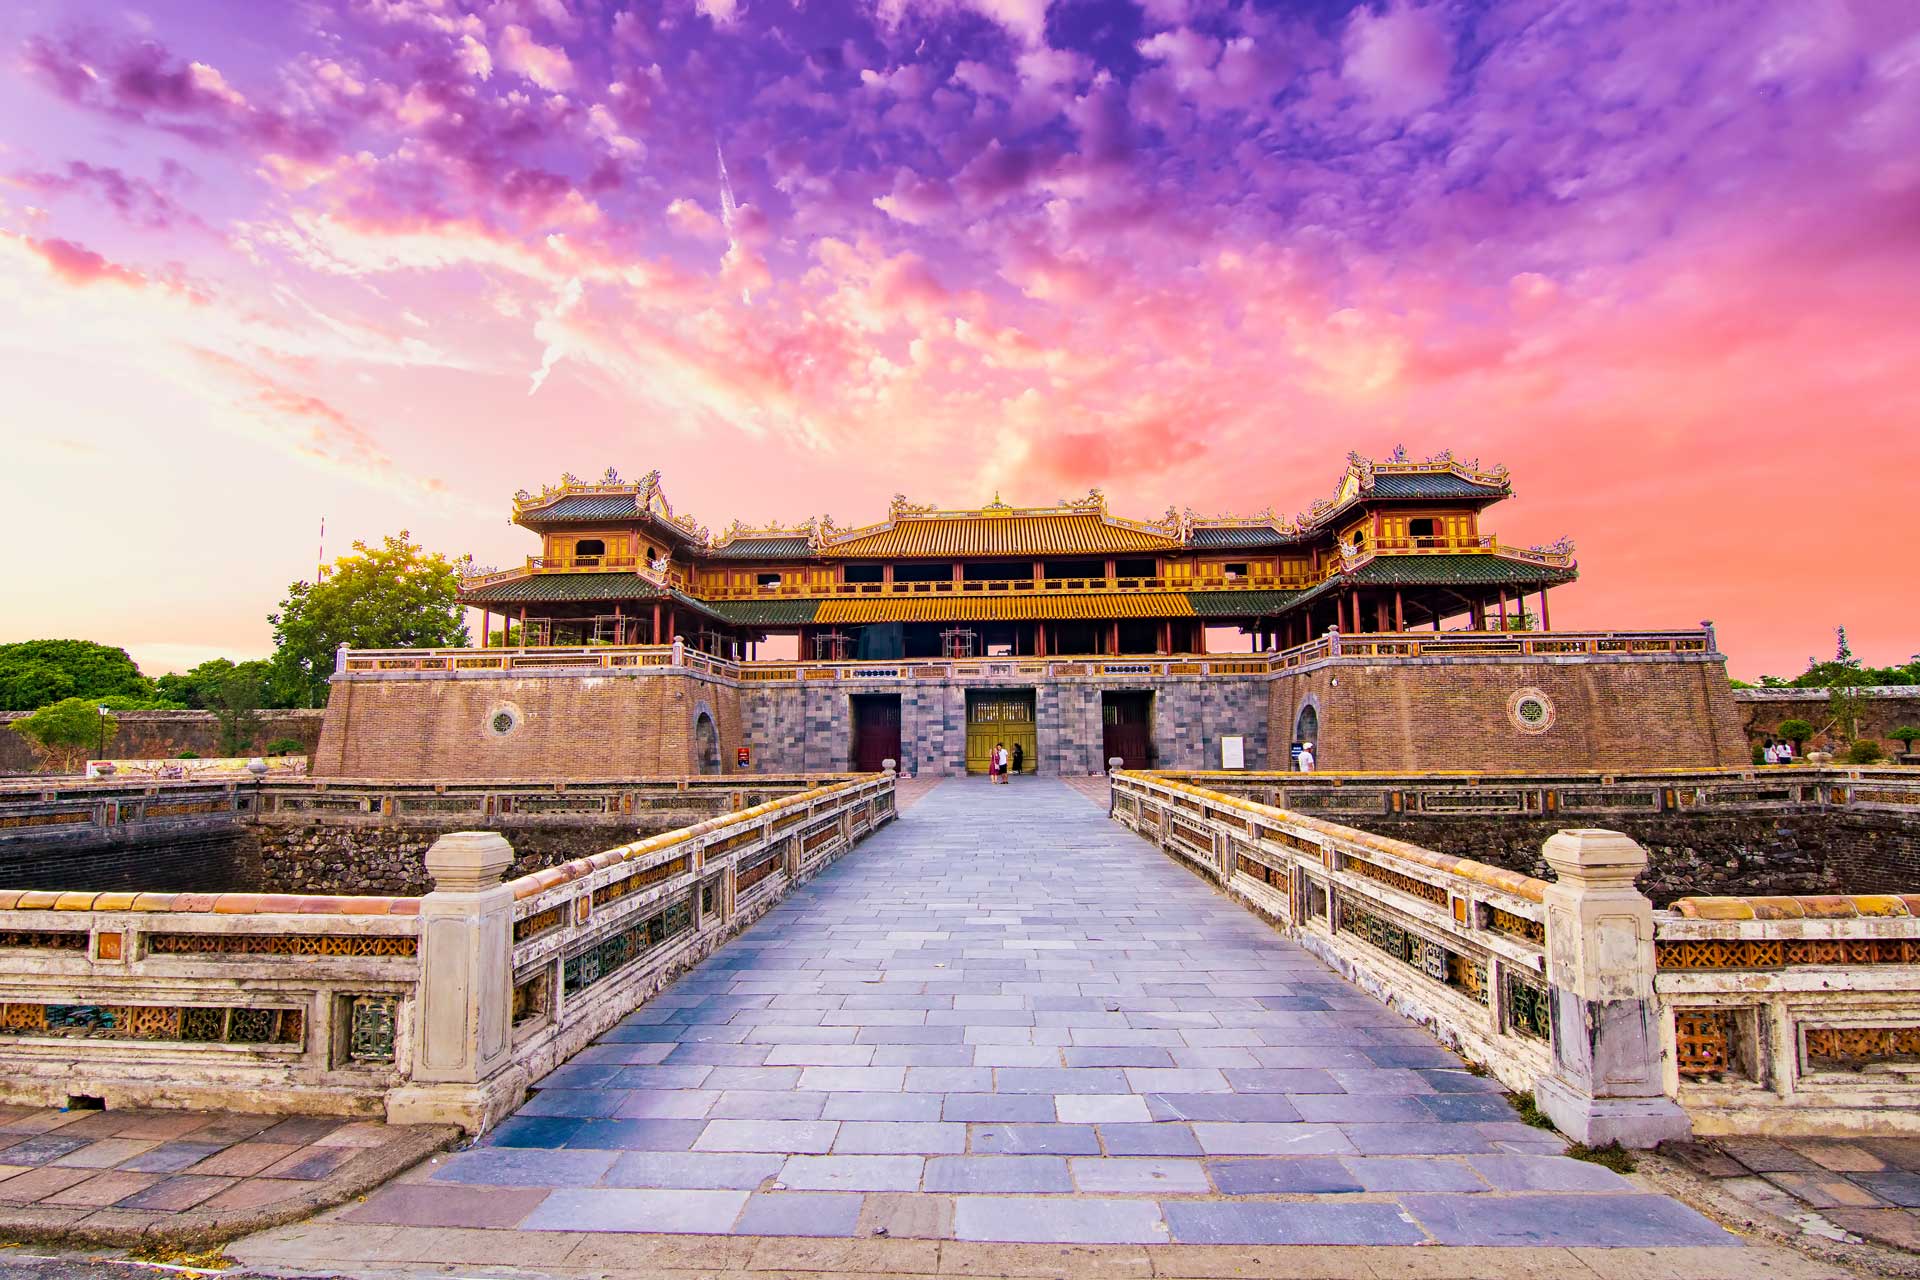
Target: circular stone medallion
(1531,711)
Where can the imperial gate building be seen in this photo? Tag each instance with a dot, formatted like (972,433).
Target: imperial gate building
(1387,624)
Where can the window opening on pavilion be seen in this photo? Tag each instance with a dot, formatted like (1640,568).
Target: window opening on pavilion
(1075,568)
(589,549)
(863,573)
(768,580)
(941,572)
(996,570)
(1422,528)
(1136,568)
(1235,570)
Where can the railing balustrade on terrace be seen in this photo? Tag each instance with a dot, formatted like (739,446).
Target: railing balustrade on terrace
(419,1008)
(1785,1015)
(713,586)
(59,808)
(1330,647)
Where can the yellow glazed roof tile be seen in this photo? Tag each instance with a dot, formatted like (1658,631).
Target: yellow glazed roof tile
(988,534)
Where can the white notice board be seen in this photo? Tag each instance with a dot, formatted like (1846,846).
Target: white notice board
(1233,751)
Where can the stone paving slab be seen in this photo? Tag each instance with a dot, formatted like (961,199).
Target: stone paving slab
(1017,1022)
(114,1176)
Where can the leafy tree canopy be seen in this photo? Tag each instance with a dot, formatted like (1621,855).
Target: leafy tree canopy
(67,732)
(391,596)
(39,673)
(200,687)
(1844,671)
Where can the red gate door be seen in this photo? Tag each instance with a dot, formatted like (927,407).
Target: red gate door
(1127,729)
(876,731)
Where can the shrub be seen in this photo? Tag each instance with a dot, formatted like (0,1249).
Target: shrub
(1905,735)
(187,755)
(286,747)
(1795,731)
(1759,754)
(1865,751)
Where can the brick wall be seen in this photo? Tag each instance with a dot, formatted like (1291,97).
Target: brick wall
(203,860)
(326,858)
(1761,711)
(162,735)
(1422,713)
(1456,713)
(614,725)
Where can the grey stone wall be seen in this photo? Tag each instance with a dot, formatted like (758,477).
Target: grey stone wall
(206,857)
(162,735)
(809,727)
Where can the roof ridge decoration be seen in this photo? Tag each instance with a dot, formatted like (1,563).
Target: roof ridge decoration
(647,494)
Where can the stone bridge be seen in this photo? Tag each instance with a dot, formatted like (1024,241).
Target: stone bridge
(1007,1018)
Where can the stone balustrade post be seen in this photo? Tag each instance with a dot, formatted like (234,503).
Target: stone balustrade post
(340,659)
(1333,642)
(1606,1084)
(461,1069)
(679,651)
(1713,643)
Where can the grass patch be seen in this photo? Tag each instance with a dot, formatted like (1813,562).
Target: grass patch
(210,1259)
(1613,1156)
(1529,1112)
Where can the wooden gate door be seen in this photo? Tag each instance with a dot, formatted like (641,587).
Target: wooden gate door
(876,731)
(1005,717)
(1126,729)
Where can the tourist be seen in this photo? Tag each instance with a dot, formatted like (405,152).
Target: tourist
(993,764)
(1786,753)
(1019,755)
(1306,757)
(1771,755)
(1003,764)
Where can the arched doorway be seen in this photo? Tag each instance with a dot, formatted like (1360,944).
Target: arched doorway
(706,744)
(1306,728)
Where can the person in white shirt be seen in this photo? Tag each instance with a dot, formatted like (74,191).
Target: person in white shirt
(1306,757)
(1771,755)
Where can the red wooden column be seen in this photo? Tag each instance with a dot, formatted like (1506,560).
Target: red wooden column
(1546,621)
(1113,637)
(1199,635)
(1503,609)
(619,625)
(523,625)
(1399,611)
(1166,636)
(486,628)
(1040,639)
(655,637)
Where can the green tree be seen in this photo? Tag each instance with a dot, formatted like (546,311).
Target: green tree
(199,687)
(1905,736)
(1846,706)
(67,732)
(1797,732)
(235,700)
(39,673)
(387,597)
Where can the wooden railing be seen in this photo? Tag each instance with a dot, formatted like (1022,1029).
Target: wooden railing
(706,587)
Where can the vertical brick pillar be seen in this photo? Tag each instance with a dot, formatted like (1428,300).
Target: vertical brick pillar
(1606,1084)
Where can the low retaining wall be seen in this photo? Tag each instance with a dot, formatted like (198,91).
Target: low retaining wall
(165,734)
(435,1007)
(1794,1015)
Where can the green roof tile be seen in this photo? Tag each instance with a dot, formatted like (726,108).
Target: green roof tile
(765,613)
(1240,604)
(1444,570)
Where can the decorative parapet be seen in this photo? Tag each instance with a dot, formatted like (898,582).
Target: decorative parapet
(1457,944)
(1792,1015)
(429,1008)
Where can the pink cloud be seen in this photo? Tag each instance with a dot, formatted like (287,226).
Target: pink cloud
(80,266)
(546,65)
(1400,57)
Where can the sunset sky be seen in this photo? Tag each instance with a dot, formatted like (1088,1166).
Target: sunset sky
(386,261)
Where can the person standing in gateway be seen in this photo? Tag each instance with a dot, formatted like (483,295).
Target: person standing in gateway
(1019,755)
(1306,757)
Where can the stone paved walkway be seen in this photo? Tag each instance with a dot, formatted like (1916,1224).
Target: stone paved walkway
(1005,1018)
(119,1174)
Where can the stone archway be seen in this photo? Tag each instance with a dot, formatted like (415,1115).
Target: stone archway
(1306,725)
(706,743)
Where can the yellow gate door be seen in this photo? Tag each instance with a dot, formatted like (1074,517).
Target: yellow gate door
(1004,717)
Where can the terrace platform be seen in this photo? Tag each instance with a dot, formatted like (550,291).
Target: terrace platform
(1006,1019)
